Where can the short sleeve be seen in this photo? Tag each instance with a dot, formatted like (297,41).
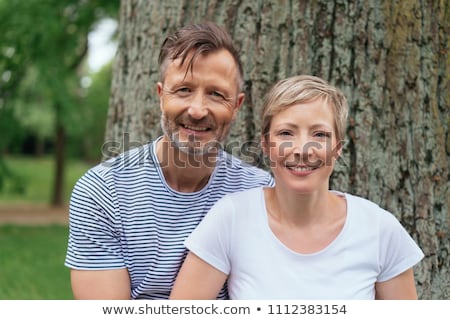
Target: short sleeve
(94,239)
(211,240)
(398,251)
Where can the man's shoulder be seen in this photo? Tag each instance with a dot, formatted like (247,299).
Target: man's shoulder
(236,175)
(125,164)
(233,162)
(132,159)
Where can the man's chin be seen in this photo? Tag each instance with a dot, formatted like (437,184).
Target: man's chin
(198,149)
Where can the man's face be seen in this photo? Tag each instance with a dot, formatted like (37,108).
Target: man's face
(198,107)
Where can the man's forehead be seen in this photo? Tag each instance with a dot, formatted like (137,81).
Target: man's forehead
(217,67)
(191,62)
(193,56)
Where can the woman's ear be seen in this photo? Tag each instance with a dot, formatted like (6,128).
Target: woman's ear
(337,151)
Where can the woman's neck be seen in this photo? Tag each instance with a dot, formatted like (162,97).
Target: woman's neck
(305,223)
(302,209)
(297,208)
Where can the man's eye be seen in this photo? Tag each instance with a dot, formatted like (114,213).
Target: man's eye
(217,94)
(182,92)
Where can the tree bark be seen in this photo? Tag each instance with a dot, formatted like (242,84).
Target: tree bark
(391,59)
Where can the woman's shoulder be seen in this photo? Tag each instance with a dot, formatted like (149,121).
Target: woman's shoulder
(245,194)
(367,209)
(361,201)
(239,201)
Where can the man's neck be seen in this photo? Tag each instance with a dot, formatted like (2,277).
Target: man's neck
(184,172)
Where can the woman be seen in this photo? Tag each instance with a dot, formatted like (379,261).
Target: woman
(299,240)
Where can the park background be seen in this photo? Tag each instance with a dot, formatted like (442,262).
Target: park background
(59,116)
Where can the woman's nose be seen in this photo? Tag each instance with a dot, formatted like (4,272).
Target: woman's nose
(304,146)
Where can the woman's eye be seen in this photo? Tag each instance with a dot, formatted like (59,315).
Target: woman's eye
(323,134)
(284,133)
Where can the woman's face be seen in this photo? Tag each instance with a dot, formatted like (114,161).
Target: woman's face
(302,146)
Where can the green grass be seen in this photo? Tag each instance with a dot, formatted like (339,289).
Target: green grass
(33,181)
(32,263)
(32,257)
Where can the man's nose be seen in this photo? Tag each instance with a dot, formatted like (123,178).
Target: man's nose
(197,107)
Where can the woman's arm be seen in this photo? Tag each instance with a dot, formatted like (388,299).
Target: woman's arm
(401,287)
(197,280)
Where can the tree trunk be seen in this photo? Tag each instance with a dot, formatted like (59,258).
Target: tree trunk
(391,59)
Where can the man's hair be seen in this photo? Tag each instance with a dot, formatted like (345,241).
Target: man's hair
(303,89)
(199,39)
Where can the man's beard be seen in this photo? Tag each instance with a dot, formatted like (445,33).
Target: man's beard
(192,147)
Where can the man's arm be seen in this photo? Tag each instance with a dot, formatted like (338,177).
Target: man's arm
(401,287)
(197,280)
(101,284)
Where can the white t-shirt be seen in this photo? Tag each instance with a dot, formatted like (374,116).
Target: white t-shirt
(236,239)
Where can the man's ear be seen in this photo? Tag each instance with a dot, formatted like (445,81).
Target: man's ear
(239,102)
(159,91)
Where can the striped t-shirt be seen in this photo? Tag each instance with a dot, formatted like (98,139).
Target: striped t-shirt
(123,214)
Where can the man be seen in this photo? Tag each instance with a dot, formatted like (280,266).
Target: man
(128,219)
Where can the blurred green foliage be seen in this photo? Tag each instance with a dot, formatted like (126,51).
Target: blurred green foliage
(87,138)
(34,177)
(43,51)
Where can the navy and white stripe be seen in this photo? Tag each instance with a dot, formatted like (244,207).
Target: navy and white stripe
(124,215)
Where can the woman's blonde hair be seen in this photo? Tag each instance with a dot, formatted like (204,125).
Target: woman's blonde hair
(302,89)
